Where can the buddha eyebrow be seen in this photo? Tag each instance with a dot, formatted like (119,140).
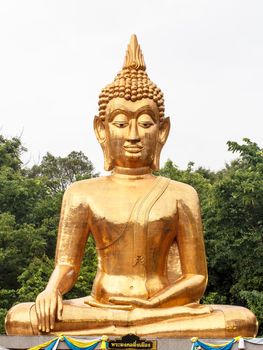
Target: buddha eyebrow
(116,112)
(138,112)
(147,110)
(122,108)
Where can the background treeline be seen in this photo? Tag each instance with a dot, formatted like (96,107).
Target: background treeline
(232,210)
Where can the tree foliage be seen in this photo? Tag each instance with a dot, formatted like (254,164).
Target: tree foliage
(232,211)
(30,200)
(231,203)
(60,172)
(233,219)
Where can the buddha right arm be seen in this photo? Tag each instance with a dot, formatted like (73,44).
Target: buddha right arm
(72,236)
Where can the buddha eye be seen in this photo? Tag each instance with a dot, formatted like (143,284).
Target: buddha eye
(145,121)
(120,124)
(120,121)
(145,125)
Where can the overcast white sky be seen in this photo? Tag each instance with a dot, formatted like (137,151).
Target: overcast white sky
(206,56)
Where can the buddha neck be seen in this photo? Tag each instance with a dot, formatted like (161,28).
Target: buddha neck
(131,173)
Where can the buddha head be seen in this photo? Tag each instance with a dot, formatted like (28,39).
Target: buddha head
(131,126)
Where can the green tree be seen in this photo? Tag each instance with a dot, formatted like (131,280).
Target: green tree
(30,200)
(60,172)
(231,205)
(233,220)
(10,152)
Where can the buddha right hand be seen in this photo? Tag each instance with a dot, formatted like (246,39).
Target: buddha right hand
(92,302)
(49,306)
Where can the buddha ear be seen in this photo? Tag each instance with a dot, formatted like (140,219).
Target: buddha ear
(164,129)
(99,128)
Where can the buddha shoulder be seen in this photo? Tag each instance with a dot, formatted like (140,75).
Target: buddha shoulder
(184,193)
(81,191)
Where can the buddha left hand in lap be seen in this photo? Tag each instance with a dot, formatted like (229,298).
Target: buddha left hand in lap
(147,230)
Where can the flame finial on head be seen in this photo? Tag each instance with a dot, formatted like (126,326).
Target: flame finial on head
(134,57)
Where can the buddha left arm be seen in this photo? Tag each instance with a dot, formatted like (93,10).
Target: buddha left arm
(191,285)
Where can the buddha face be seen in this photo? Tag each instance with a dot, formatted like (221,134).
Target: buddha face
(131,133)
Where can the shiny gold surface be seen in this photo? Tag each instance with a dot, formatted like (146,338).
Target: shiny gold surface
(151,259)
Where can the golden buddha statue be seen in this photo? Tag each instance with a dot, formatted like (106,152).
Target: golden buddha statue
(152,268)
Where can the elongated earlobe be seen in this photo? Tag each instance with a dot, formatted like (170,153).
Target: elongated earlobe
(99,129)
(100,132)
(164,130)
(163,134)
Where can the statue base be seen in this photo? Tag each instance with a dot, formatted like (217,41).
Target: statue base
(26,342)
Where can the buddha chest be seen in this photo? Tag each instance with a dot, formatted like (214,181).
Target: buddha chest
(135,227)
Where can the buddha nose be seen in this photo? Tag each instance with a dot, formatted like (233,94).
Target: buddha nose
(133,131)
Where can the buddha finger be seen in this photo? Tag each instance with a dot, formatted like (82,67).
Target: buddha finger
(59,307)
(108,306)
(38,314)
(121,300)
(47,314)
(133,301)
(52,313)
(141,303)
(42,314)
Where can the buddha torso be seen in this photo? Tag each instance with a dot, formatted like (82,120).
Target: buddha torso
(133,265)
(132,261)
